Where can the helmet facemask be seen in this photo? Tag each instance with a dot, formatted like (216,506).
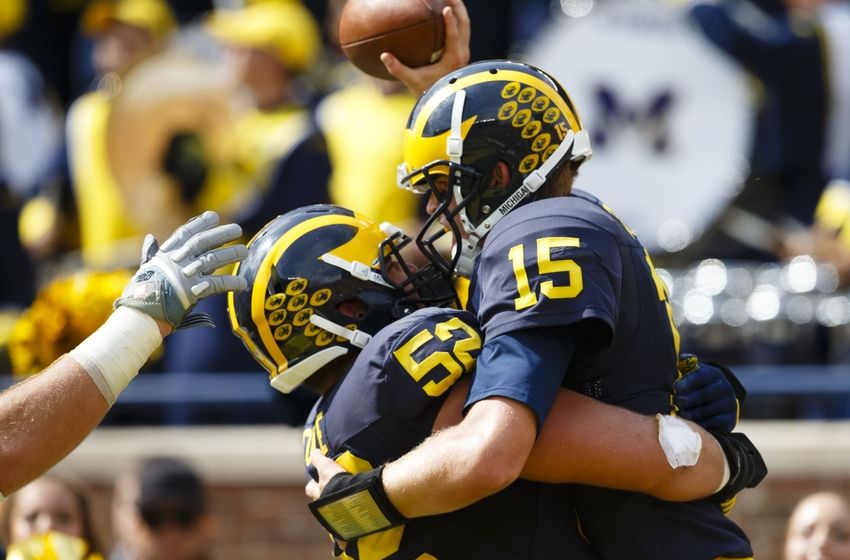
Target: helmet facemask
(428,286)
(464,126)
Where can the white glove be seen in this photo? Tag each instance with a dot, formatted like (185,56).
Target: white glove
(173,277)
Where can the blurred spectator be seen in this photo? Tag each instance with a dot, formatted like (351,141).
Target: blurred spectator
(787,50)
(30,142)
(159,512)
(819,528)
(281,163)
(361,123)
(52,518)
(126,32)
(268,47)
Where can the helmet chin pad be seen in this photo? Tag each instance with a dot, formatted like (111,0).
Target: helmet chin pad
(291,377)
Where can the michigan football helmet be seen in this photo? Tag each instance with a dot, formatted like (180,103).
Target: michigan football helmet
(300,268)
(464,125)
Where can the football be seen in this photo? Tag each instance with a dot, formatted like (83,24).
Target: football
(412,30)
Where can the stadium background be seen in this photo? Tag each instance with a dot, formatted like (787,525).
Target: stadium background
(674,122)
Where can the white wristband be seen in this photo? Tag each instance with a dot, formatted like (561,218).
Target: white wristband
(680,443)
(114,353)
(726,471)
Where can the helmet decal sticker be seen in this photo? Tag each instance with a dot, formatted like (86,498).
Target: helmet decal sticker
(277,317)
(521,118)
(510,90)
(527,94)
(274,301)
(541,142)
(528,163)
(321,297)
(532,129)
(283,332)
(551,115)
(541,103)
(296,286)
(298,301)
(508,110)
(302,317)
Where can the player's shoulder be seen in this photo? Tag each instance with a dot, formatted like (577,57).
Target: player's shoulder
(578,210)
(577,215)
(400,332)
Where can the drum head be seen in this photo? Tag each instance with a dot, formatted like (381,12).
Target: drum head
(669,115)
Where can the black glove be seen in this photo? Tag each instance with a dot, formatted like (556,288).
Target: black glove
(746,466)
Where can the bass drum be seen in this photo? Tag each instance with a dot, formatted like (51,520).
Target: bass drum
(669,115)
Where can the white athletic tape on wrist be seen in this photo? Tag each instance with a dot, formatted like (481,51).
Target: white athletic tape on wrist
(727,472)
(114,353)
(680,443)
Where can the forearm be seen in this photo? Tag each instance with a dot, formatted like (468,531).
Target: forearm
(43,418)
(460,465)
(589,442)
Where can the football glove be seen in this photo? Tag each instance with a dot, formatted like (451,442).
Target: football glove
(355,505)
(746,467)
(708,394)
(173,277)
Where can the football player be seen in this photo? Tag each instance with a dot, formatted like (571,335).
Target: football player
(323,311)
(566,296)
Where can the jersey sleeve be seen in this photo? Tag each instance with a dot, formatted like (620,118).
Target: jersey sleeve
(527,366)
(548,271)
(387,403)
(428,359)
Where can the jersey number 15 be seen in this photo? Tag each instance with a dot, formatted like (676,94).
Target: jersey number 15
(546,265)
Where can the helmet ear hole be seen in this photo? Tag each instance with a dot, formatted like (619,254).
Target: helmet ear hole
(501,175)
(353,308)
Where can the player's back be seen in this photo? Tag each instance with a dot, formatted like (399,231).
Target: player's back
(567,261)
(386,405)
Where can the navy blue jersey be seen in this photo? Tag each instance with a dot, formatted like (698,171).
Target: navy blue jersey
(569,263)
(387,403)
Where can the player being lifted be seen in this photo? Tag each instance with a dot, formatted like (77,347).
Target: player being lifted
(321,311)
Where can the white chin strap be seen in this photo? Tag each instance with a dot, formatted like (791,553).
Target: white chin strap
(356,337)
(292,377)
(578,142)
(288,380)
(356,269)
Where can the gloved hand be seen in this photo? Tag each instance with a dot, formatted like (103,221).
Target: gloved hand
(173,277)
(708,393)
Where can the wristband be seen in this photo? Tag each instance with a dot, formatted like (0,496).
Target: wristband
(746,465)
(114,353)
(355,505)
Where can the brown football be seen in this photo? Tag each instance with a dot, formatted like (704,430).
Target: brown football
(412,30)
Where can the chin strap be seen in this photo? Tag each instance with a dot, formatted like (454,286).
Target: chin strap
(356,337)
(356,269)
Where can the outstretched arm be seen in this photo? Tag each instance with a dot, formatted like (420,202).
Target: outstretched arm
(46,416)
(43,418)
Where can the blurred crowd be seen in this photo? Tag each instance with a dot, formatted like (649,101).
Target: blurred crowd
(123,117)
